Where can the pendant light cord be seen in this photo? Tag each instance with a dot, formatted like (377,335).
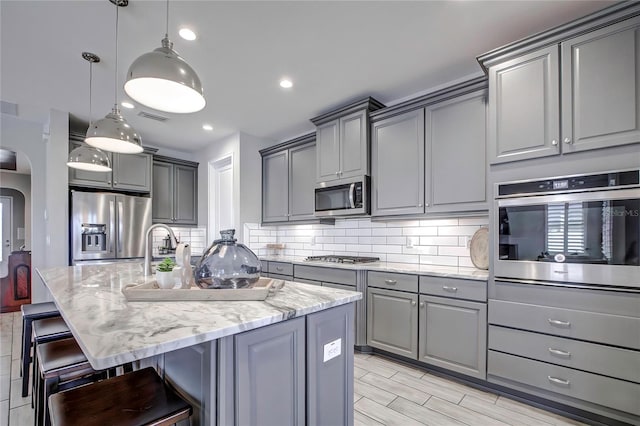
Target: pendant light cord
(90,85)
(166,33)
(115,91)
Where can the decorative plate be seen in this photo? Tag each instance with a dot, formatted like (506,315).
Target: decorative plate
(479,248)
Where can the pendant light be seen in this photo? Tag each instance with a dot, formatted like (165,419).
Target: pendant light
(113,133)
(162,80)
(86,157)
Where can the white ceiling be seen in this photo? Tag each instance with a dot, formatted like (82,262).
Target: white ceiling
(334,52)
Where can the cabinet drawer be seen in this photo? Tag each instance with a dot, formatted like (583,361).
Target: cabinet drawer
(613,393)
(281,268)
(606,360)
(393,281)
(333,275)
(615,330)
(458,289)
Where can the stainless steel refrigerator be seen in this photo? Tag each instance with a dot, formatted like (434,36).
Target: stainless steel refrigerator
(106,227)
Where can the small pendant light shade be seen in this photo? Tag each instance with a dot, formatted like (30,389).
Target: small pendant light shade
(88,158)
(113,133)
(85,157)
(162,80)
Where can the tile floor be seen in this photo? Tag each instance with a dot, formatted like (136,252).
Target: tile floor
(386,393)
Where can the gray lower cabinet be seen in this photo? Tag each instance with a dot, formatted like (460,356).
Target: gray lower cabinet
(453,335)
(392,321)
(288,181)
(398,165)
(271,391)
(130,173)
(524,107)
(175,191)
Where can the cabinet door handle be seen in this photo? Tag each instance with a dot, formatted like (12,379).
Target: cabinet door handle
(449,289)
(421,305)
(108,182)
(337,173)
(559,323)
(568,140)
(554,142)
(391,282)
(278,268)
(115,182)
(413,303)
(559,381)
(419,205)
(559,352)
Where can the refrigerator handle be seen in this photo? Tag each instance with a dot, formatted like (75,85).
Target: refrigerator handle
(120,216)
(112,219)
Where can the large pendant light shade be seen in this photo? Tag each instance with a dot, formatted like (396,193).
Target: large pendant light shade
(113,133)
(85,157)
(162,80)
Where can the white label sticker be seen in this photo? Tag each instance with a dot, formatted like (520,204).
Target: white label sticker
(332,350)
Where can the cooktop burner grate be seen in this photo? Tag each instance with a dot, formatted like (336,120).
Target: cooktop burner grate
(343,259)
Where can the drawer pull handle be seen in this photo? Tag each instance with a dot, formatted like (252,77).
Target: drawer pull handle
(559,323)
(558,381)
(391,282)
(559,352)
(449,289)
(278,268)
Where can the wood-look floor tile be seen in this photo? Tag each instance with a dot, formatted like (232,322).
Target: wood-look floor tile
(16,345)
(429,388)
(360,419)
(21,416)
(396,366)
(5,384)
(536,413)
(383,414)
(499,413)
(373,393)
(396,388)
(4,413)
(356,396)
(15,397)
(462,414)
(358,355)
(422,413)
(5,365)
(15,369)
(379,369)
(467,390)
(359,372)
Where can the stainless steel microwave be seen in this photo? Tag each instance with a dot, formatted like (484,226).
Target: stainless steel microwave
(347,197)
(576,229)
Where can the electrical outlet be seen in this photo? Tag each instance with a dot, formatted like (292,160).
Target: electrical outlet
(312,240)
(467,242)
(410,242)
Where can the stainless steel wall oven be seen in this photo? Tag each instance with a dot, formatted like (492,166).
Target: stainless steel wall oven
(574,229)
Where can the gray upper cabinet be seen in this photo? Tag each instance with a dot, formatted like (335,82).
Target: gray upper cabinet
(342,141)
(524,107)
(288,180)
(601,88)
(175,191)
(302,160)
(130,172)
(392,321)
(458,153)
(275,184)
(397,165)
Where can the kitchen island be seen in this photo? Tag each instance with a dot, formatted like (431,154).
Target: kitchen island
(285,360)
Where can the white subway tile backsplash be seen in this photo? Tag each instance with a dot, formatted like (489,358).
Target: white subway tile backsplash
(418,231)
(324,240)
(452,251)
(334,247)
(403,223)
(439,241)
(439,260)
(360,232)
(384,248)
(386,231)
(334,232)
(439,222)
(403,258)
(397,240)
(457,230)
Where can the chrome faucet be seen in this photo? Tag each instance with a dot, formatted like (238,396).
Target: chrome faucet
(148,246)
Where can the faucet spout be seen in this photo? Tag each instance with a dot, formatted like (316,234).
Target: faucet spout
(148,245)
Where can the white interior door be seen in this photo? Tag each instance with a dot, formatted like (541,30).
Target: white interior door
(6,236)
(220,197)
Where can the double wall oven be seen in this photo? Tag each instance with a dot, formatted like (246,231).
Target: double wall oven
(575,229)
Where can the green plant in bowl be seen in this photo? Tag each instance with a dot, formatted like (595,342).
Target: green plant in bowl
(166,265)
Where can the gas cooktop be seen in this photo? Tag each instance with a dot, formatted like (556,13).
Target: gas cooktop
(343,259)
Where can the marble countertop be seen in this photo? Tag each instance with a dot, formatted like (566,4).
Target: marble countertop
(112,331)
(407,268)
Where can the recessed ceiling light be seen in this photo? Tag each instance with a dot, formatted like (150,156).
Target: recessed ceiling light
(207,127)
(286,83)
(187,34)
(127,104)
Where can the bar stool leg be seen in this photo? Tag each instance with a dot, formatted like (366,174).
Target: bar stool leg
(26,355)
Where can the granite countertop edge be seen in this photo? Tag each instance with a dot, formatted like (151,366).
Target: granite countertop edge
(406,268)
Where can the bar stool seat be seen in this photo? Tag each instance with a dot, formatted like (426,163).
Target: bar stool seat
(62,365)
(30,313)
(133,399)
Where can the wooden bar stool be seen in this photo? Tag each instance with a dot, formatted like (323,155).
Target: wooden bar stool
(45,330)
(62,365)
(31,313)
(133,399)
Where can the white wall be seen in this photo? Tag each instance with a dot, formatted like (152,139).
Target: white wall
(20,183)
